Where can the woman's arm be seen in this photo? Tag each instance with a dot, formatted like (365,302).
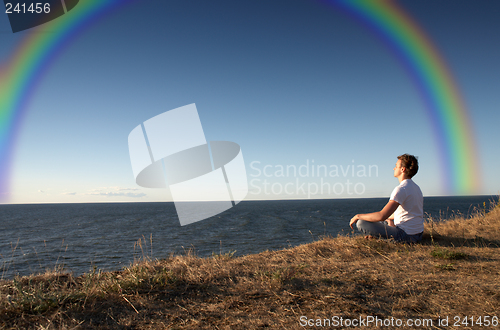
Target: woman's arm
(382,215)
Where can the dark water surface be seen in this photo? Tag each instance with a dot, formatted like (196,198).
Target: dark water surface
(110,236)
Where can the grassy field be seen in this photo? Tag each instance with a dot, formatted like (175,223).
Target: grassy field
(453,276)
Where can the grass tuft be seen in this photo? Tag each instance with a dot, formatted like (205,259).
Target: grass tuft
(442,253)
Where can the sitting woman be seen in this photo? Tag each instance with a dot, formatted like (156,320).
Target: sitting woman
(404,212)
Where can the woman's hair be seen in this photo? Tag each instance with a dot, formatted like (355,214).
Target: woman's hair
(411,164)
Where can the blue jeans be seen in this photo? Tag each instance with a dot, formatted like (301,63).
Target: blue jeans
(383,230)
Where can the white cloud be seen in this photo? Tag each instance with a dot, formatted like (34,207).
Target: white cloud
(115,194)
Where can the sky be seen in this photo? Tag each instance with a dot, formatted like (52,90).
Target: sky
(296,83)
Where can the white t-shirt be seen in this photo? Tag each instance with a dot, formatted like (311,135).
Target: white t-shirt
(409,216)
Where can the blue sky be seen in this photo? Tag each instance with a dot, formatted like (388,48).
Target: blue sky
(291,82)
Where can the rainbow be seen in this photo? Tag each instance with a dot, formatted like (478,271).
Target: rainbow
(23,70)
(434,82)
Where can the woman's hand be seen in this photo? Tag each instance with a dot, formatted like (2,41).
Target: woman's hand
(354,220)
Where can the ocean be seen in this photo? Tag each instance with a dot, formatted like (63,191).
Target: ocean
(109,236)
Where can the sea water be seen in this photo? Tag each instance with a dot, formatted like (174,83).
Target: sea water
(110,236)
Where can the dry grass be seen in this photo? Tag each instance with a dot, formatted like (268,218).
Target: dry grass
(453,272)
